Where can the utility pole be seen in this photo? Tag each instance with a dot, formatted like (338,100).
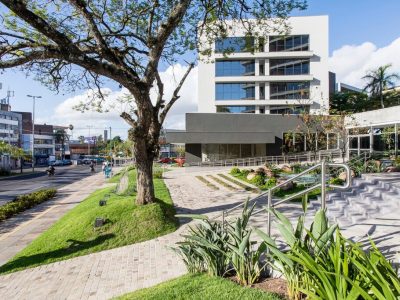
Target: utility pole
(89,126)
(33,130)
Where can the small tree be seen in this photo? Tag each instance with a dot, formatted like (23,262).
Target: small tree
(78,43)
(379,80)
(61,137)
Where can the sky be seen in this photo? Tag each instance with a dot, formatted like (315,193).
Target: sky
(364,34)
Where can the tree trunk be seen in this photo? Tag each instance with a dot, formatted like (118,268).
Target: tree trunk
(144,163)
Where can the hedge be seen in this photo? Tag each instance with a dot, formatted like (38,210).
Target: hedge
(24,202)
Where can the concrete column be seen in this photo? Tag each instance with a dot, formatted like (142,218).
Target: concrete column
(257,91)
(257,68)
(327,141)
(396,140)
(371,140)
(267,110)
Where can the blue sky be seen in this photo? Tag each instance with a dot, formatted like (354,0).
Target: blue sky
(353,23)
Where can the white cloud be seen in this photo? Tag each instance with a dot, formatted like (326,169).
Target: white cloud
(65,113)
(352,62)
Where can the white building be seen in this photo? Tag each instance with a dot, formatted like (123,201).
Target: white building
(285,74)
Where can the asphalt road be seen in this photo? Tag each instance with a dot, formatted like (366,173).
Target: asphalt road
(14,186)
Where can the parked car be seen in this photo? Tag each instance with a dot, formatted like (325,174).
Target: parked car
(57,162)
(67,162)
(165,160)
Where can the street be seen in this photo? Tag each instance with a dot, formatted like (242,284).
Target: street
(14,186)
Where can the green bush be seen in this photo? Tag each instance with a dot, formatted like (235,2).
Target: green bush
(321,264)
(245,172)
(297,168)
(5,172)
(271,182)
(205,248)
(235,171)
(24,202)
(210,247)
(336,181)
(258,180)
(158,174)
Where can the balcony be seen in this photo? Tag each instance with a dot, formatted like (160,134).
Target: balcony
(266,55)
(265,78)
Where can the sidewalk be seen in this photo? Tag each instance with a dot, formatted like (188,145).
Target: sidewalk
(17,232)
(114,272)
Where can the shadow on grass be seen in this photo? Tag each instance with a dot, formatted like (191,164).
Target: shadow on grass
(169,211)
(24,262)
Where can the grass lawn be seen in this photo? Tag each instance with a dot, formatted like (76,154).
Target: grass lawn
(74,234)
(199,286)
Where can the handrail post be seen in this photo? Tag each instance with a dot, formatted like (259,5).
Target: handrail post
(323,184)
(269,212)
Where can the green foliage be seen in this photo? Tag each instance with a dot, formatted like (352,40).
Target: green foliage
(297,168)
(321,264)
(205,248)
(126,223)
(271,182)
(245,260)
(336,181)
(235,171)
(213,247)
(199,287)
(4,172)
(158,174)
(25,202)
(258,179)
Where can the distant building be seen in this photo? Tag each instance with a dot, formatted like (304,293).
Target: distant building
(10,124)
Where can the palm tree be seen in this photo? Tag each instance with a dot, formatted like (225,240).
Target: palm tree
(61,137)
(379,80)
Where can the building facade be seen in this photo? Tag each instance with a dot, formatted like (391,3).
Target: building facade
(10,124)
(251,91)
(284,74)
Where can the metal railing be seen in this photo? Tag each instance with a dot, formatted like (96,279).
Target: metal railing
(322,184)
(278,159)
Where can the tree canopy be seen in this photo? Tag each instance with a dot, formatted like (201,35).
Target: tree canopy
(72,44)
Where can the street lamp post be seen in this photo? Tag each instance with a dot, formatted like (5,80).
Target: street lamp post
(89,126)
(33,130)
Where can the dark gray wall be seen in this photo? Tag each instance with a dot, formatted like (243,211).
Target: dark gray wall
(193,152)
(275,148)
(224,128)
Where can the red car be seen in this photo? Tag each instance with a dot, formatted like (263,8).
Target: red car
(165,160)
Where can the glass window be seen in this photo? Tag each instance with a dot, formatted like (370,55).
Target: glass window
(289,43)
(289,90)
(235,91)
(234,68)
(251,109)
(289,66)
(291,110)
(234,44)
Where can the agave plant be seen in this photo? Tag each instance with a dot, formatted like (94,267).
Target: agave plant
(321,264)
(246,261)
(205,248)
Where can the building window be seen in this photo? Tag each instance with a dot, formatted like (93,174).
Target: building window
(289,90)
(235,91)
(234,68)
(262,91)
(291,110)
(251,109)
(289,43)
(261,67)
(289,66)
(234,44)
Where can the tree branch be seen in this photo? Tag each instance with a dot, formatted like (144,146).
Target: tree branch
(175,95)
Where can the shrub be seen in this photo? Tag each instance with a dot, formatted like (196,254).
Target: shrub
(322,264)
(297,168)
(245,261)
(258,180)
(158,174)
(4,172)
(271,182)
(205,248)
(235,171)
(245,172)
(24,202)
(336,181)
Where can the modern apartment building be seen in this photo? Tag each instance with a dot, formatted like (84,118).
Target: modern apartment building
(274,74)
(252,88)
(10,124)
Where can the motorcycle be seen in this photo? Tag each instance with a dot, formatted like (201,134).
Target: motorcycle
(51,172)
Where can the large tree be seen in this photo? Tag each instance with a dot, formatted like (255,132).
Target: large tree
(79,43)
(379,80)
